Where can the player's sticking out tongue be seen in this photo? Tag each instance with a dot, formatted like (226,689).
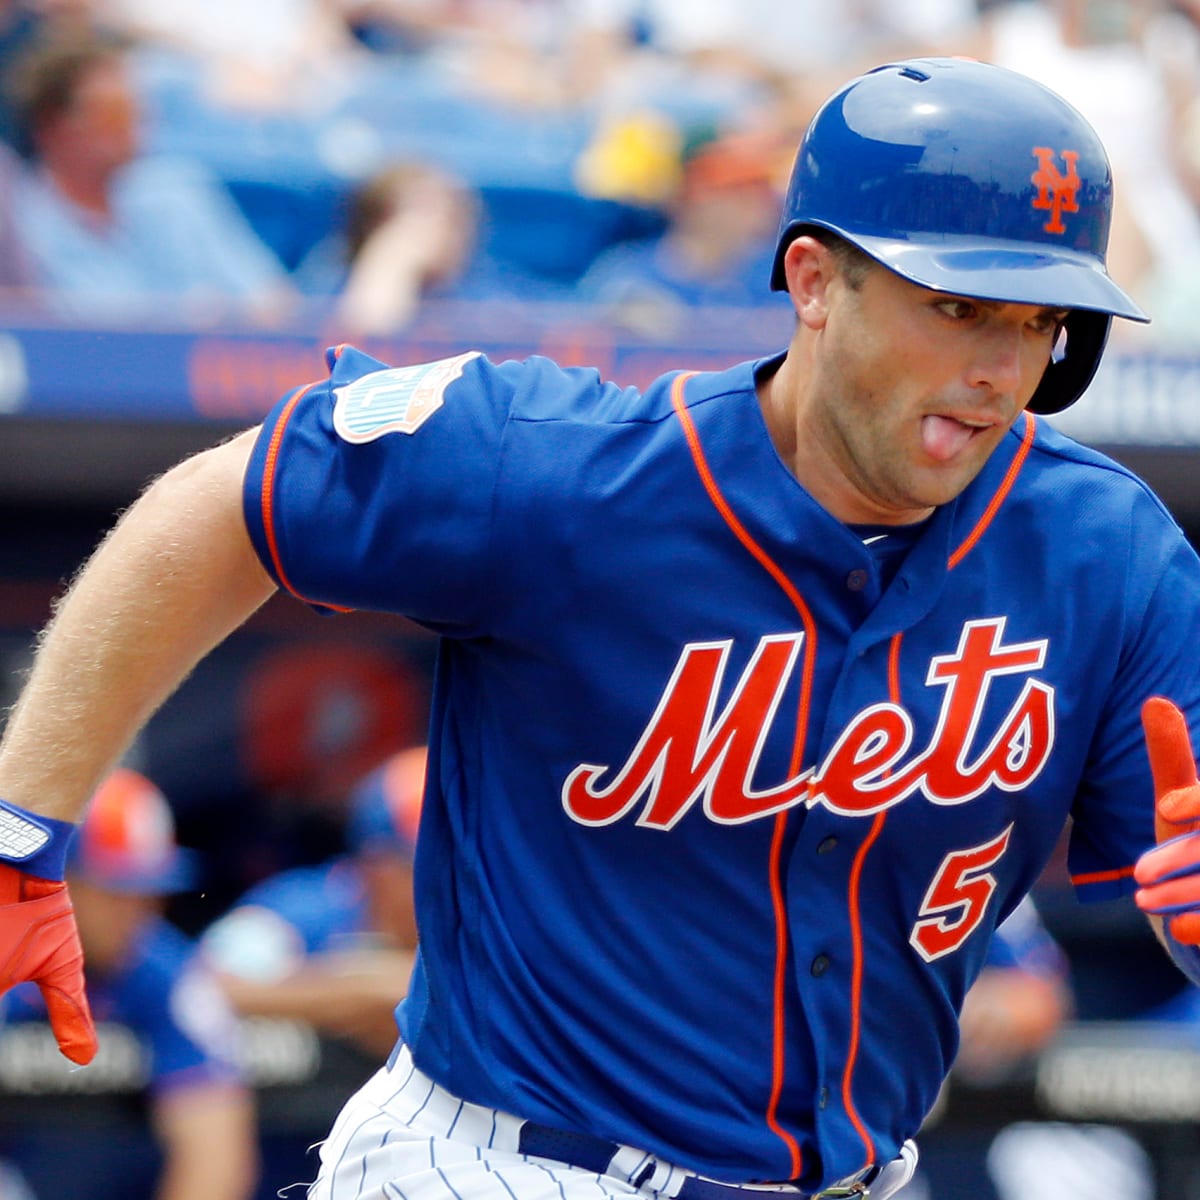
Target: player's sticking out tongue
(943,437)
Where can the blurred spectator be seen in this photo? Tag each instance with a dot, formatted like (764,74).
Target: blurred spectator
(1017,1004)
(1173,289)
(518,53)
(413,233)
(1013,1010)
(400,27)
(716,249)
(269,54)
(654,47)
(1097,57)
(24,23)
(333,944)
(143,974)
(115,235)
(16,271)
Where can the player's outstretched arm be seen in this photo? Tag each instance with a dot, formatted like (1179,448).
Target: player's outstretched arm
(175,577)
(1169,875)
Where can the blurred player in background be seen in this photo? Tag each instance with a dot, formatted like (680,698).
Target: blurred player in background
(333,944)
(1019,1001)
(144,974)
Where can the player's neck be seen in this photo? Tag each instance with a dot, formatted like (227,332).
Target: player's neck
(87,190)
(781,398)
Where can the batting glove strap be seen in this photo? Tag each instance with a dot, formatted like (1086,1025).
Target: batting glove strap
(1185,957)
(38,845)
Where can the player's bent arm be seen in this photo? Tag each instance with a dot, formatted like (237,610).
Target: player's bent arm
(175,576)
(209,1139)
(351,995)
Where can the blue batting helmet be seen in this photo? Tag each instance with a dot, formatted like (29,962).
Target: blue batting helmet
(968,178)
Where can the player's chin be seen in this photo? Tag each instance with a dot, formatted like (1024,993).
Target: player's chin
(940,483)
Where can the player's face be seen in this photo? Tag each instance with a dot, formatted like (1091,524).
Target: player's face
(108,921)
(909,392)
(389,888)
(101,126)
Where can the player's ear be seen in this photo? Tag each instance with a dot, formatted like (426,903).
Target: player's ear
(809,268)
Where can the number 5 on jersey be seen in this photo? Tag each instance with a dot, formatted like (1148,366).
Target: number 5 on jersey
(963,883)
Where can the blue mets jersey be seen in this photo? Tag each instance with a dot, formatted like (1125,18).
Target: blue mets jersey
(718,827)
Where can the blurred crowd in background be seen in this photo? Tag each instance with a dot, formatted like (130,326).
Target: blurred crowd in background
(336,163)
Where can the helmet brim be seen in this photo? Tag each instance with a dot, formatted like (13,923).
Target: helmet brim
(988,269)
(179,873)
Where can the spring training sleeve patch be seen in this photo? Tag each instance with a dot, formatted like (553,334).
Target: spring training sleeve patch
(359,484)
(396,400)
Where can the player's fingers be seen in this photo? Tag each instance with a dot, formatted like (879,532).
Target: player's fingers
(1169,876)
(1175,810)
(39,942)
(1172,766)
(1185,928)
(1169,899)
(1175,858)
(1172,763)
(70,1016)
(60,977)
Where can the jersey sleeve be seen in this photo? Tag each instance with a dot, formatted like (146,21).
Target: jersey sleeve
(178,1010)
(1113,815)
(374,489)
(198,1043)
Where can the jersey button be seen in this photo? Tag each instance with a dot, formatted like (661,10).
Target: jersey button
(856,580)
(825,845)
(819,965)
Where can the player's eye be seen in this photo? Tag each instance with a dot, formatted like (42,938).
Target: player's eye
(1048,323)
(958,309)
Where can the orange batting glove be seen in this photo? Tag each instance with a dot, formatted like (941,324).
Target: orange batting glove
(1169,875)
(39,942)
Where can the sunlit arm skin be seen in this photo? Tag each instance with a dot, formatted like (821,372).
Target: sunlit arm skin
(176,576)
(209,1140)
(349,995)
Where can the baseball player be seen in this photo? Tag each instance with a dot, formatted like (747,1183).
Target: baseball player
(331,943)
(762,695)
(145,975)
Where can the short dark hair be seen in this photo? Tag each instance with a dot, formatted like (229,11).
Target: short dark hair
(43,81)
(854,263)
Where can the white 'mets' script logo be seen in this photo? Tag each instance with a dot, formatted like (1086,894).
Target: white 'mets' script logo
(688,752)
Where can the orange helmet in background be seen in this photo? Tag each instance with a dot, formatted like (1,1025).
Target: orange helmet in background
(126,842)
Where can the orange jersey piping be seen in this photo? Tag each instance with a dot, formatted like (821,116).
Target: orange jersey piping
(268,496)
(1102,876)
(780,909)
(1006,485)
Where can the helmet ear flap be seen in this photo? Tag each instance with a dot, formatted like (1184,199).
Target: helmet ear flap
(1065,380)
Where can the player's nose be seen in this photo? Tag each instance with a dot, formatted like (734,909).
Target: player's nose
(998,358)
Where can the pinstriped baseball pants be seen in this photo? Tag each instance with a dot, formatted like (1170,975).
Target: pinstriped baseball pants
(402,1137)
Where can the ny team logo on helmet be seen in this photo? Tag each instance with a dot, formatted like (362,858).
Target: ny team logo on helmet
(1056,192)
(970,179)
